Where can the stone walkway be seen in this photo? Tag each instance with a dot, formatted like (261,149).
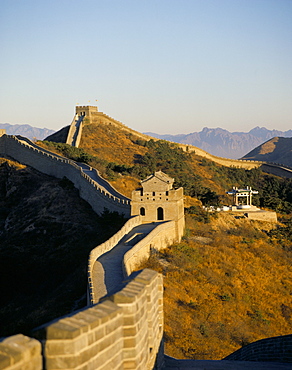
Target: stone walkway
(173,364)
(107,270)
(93,174)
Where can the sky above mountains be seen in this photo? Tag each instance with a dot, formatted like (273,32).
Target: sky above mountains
(167,66)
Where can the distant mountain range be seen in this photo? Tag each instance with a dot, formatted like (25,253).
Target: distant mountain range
(223,143)
(277,149)
(26,130)
(216,141)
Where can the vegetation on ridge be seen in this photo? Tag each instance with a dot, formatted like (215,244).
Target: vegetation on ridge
(201,178)
(227,284)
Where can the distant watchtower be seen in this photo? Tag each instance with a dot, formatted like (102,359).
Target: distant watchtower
(86,110)
(157,201)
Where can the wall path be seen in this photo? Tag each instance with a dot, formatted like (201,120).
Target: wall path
(96,191)
(125,330)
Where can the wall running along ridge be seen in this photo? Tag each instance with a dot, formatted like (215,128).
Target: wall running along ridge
(125,330)
(99,197)
(95,117)
(122,332)
(276,349)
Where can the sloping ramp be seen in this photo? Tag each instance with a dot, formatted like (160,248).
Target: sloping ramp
(74,134)
(108,270)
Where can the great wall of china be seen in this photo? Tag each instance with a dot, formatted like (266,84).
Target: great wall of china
(125,329)
(92,115)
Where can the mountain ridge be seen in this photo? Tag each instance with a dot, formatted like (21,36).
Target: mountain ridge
(223,143)
(26,130)
(277,150)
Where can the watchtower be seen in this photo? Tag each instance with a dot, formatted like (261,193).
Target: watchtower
(157,201)
(86,110)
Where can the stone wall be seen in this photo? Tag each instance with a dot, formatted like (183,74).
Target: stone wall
(75,131)
(20,353)
(122,332)
(104,248)
(276,349)
(44,161)
(161,237)
(278,170)
(267,216)
(125,330)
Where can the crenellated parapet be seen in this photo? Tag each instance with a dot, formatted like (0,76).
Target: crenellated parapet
(98,193)
(157,201)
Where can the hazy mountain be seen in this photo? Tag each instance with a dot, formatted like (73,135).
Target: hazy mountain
(278,150)
(26,130)
(223,143)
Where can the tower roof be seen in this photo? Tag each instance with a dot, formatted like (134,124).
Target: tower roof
(160,176)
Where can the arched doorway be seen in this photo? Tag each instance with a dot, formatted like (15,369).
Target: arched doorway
(160,215)
(142,211)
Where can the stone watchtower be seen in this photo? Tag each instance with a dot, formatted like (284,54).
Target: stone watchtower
(157,201)
(87,111)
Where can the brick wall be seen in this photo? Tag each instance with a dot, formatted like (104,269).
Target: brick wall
(122,332)
(276,349)
(20,353)
(96,194)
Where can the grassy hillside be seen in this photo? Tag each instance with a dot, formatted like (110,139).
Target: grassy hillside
(227,284)
(278,150)
(125,159)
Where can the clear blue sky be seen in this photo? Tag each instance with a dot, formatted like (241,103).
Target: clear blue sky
(166,66)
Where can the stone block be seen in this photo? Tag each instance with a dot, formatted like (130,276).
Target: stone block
(66,346)
(106,310)
(5,360)
(20,352)
(63,362)
(13,354)
(146,276)
(131,331)
(62,330)
(115,363)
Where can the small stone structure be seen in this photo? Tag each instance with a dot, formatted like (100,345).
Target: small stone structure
(251,212)
(158,201)
(242,193)
(2,132)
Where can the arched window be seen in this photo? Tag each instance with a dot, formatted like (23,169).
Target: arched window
(142,211)
(160,215)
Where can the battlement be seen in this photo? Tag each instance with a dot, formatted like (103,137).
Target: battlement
(157,196)
(86,110)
